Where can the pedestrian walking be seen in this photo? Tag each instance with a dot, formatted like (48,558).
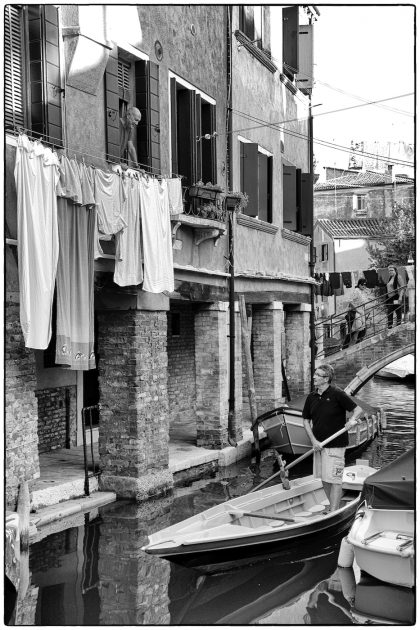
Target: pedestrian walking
(324,413)
(395,294)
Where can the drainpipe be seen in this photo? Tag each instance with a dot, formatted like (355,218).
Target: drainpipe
(230,220)
(311,248)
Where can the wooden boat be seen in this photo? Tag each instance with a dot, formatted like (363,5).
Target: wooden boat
(382,534)
(402,369)
(265,521)
(285,430)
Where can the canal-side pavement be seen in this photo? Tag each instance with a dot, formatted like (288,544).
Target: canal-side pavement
(58,499)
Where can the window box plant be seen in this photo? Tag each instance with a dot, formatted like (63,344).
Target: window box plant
(236,201)
(207,191)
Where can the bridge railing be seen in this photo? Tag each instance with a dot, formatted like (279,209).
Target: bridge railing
(334,333)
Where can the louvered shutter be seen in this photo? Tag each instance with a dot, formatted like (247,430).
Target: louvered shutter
(186,133)
(174,128)
(304,79)
(44,71)
(124,87)
(208,125)
(298,199)
(307,204)
(249,176)
(14,111)
(112,116)
(290,40)
(262,187)
(200,149)
(147,101)
(289,197)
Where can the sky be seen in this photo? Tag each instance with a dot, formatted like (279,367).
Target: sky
(366,51)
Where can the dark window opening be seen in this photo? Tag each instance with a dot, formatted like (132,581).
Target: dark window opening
(297,200)
(324,252)
(175,324)
(256,181)
(251,23)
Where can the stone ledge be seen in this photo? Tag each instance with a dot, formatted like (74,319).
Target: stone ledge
(61,492)
(150,485)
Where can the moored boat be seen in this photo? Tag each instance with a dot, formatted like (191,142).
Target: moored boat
(284,427)
(402,369)
(266,521)
(382,534)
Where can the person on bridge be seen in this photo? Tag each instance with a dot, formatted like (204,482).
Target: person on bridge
(395,293)
(358,300)
(324,413)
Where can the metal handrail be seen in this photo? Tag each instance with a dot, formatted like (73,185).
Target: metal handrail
(376,317)
(87,414)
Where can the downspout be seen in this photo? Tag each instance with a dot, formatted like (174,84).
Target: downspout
(311,249)
(230,219)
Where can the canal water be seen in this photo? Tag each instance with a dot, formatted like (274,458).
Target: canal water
(97,574)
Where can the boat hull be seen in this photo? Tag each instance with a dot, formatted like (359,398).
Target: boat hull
(381,543)
(213,541)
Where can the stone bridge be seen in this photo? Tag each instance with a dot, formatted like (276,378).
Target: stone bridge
(355,365)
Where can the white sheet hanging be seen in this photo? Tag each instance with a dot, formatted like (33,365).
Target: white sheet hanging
(36,176)
(157,241)
(128,252)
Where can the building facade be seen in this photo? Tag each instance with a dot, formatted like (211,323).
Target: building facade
(212,100)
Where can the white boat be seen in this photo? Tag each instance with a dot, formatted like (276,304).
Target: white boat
(285,430)
(401,369)
(382,534)
(265,521)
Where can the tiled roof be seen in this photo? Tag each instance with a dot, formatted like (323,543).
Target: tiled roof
(360,180)
(354,228)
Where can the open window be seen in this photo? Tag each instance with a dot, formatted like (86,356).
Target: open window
(256,168)
(297,200)
(133,82)
(32,79)
(193,143)
(251,23)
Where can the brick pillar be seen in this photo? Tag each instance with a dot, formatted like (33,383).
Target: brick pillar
(298,351)
(21,408)
(267,324)
(211,369)
(134,418)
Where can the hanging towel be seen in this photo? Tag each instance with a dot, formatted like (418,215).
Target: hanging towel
(371,276)
(335,280)
(36,175)
(346,276)
(110,200)
(175,195)
(87,185)
(128,253)
(157,242)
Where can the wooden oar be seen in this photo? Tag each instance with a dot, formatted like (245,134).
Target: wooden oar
(239,514)
(299,459)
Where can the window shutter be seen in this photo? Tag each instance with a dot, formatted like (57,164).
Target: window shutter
(200,150)
(304,79)
(208,147)
(307,204)
(147,101)
(298,199)
(44,71)
(289,197)
(112,116)
(14,111)
(186,133)
(290,40)
(249,176)
(262,187)
(174,127)
(246,21)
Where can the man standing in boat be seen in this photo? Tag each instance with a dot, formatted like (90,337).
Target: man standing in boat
(324,413)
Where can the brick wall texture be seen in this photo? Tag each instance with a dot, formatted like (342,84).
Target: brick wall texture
(132,369)
(298,352)
(56,418)
(21,409)
(181,365)
(266,343)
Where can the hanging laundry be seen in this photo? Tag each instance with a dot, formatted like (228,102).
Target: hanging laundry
(87,184)
(340,289)
(371,276)
(75,286)
(110,200)
(36,176)
(346,276)
(175,195)
(128,255)
(402,273)
(157,240)
(335,280)
(383,276)
(69,185)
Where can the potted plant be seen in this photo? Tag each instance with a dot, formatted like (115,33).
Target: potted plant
(236,201)
(207,191)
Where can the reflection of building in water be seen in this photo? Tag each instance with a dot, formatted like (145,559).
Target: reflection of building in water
(133,586)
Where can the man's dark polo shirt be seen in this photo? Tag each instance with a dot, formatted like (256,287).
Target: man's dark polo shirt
(328,414)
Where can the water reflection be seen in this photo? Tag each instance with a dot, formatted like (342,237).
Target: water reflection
(96,574)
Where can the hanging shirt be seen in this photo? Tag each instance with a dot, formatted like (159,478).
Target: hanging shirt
(157,238)
(36,176)
(346,275)
(371,276)
(110,200)
(87,185)
(128,254)
(175,195)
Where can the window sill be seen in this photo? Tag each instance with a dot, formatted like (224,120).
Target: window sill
(255,51)
(256,224)
(296,237)
(287,82)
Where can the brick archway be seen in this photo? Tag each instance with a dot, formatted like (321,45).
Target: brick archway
(357,364)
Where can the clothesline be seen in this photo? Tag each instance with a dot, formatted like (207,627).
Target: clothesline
(18,130)
(333,282)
